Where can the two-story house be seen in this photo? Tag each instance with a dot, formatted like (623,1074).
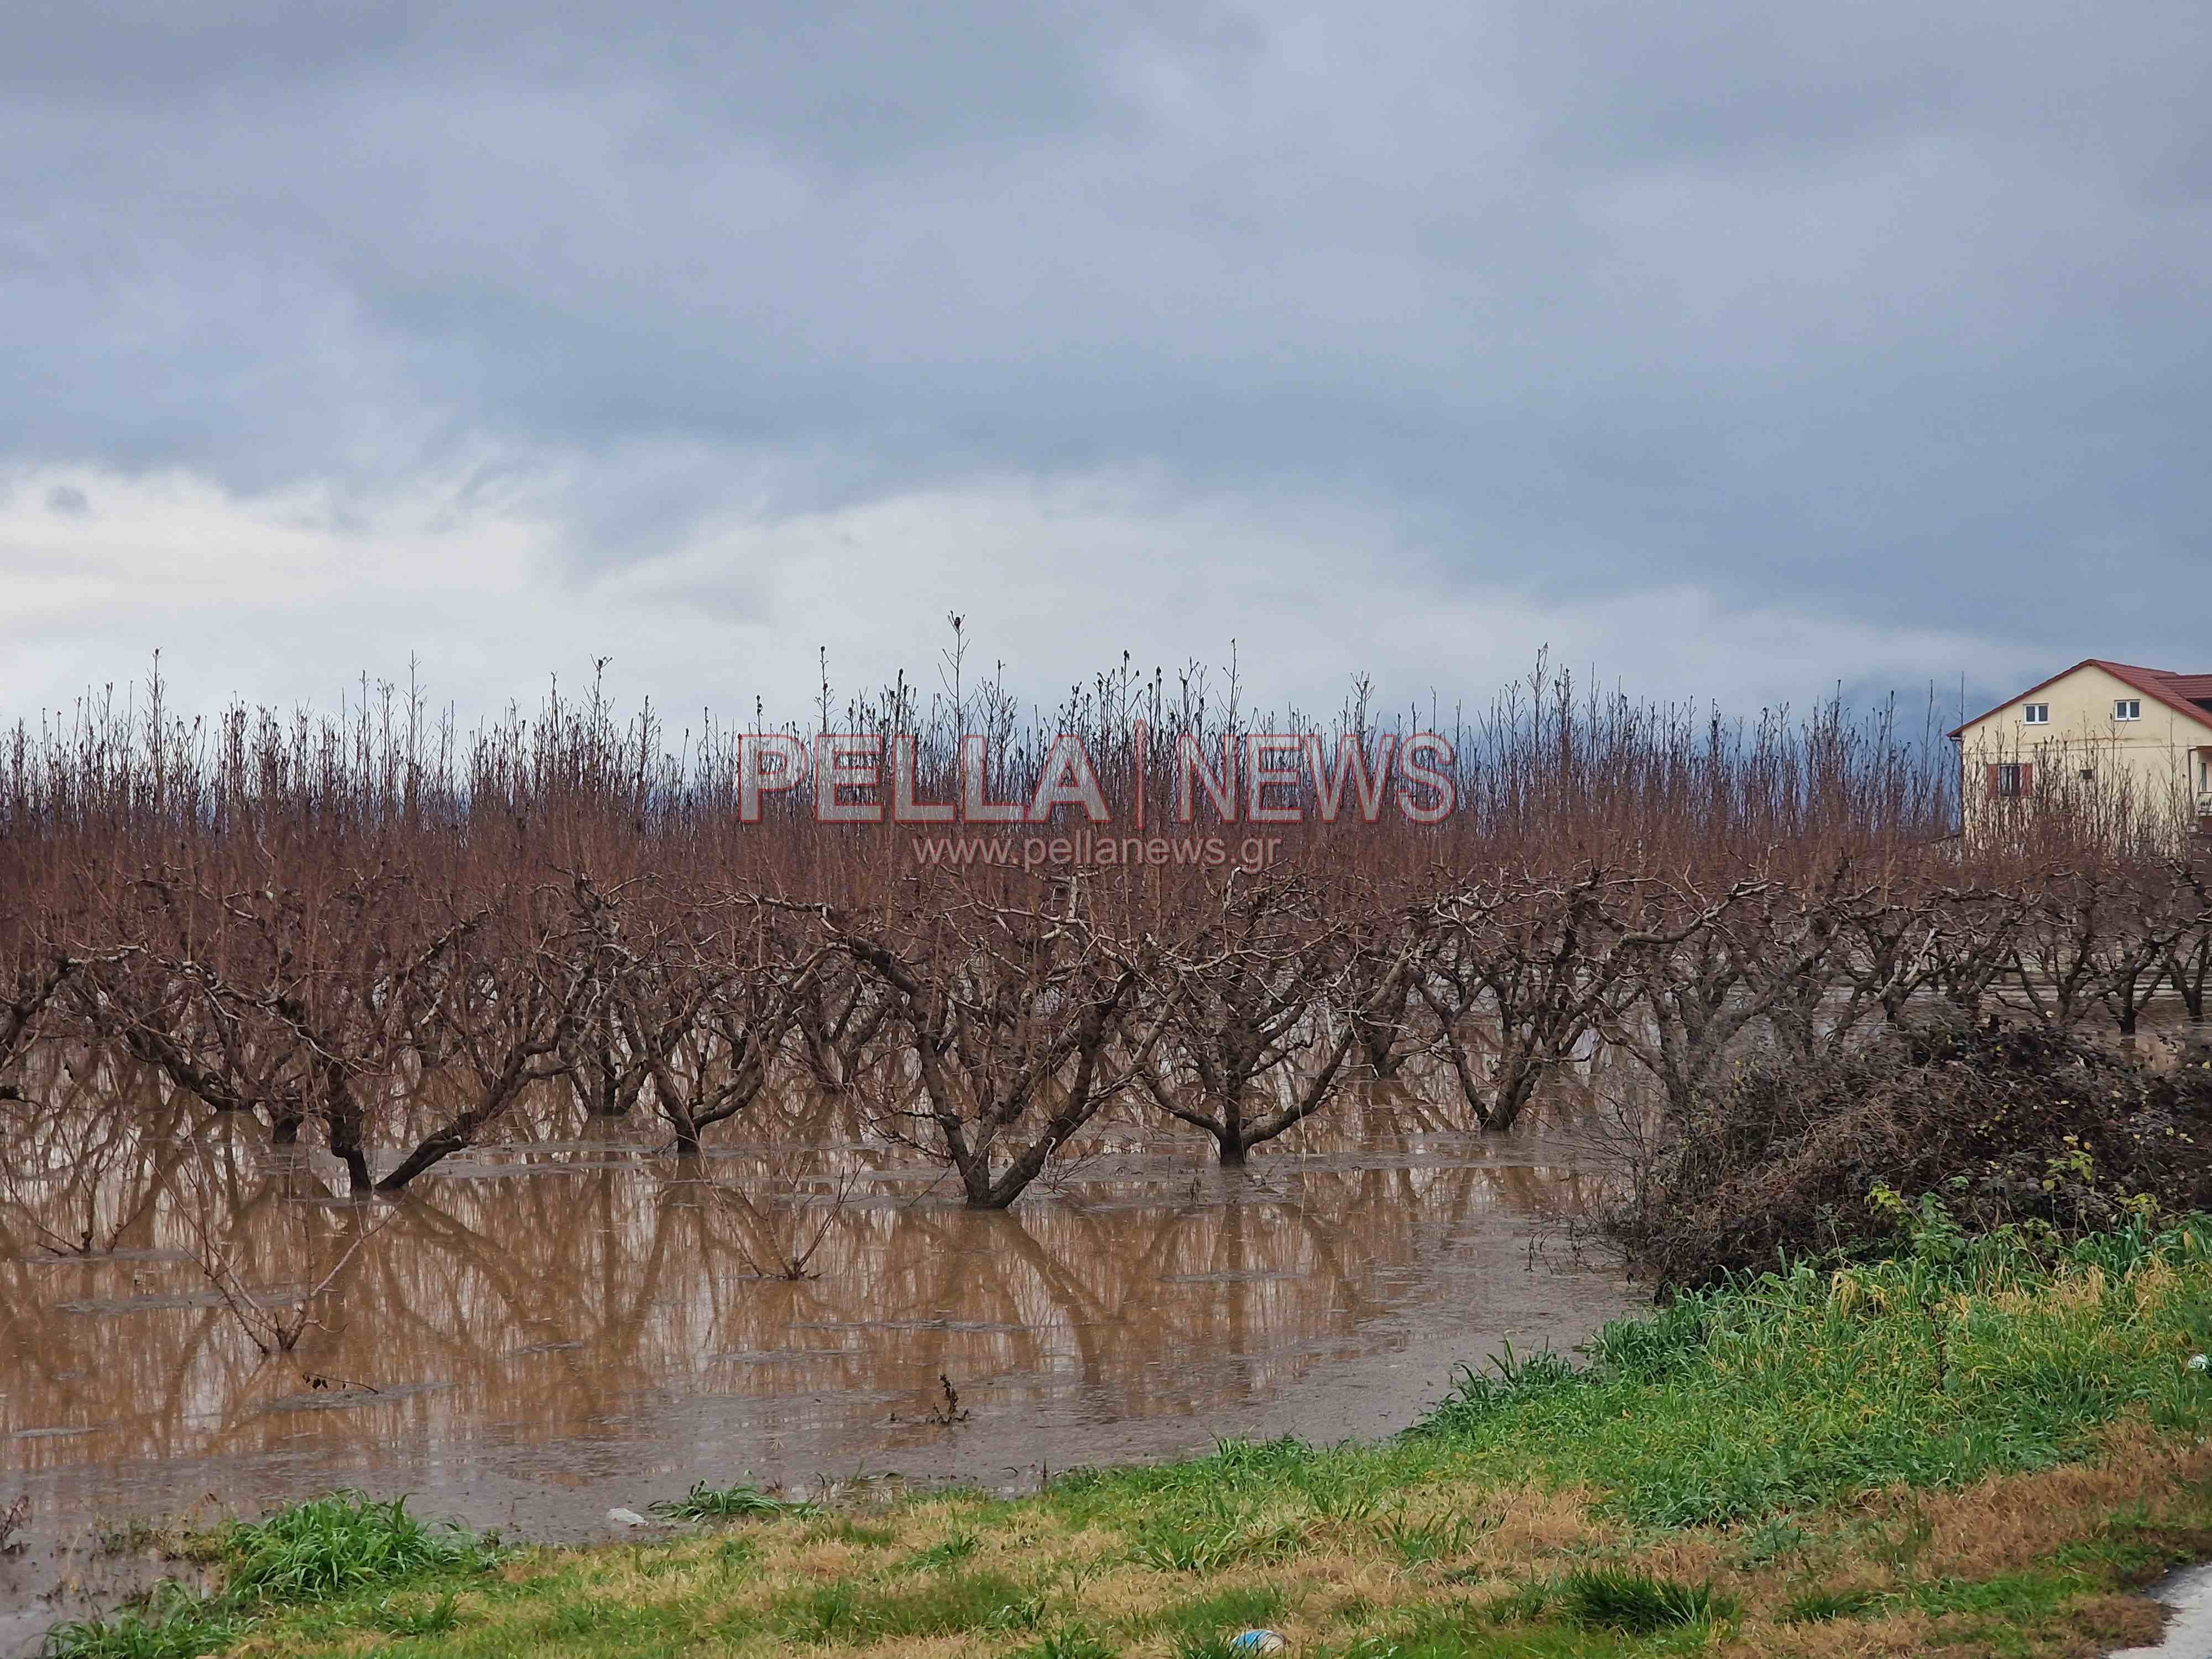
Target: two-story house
(2146,730)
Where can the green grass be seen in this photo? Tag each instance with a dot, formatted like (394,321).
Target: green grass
(1637,1602)
(327,1548)
(435,1620)
(1419,1543)
(1215,1644)
(1823,1606)
(1223,1538)
(1801,1451)
(945,1553)
(173,1624)
(1230,1610)
(340,1543)
(1069,1644)
(943,1605)
(706,1503)
(1789,1392)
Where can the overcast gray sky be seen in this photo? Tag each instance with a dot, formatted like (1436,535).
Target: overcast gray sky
(1733,348)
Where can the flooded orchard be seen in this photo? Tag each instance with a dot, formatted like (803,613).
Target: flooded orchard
(542,1330)
(525,1121)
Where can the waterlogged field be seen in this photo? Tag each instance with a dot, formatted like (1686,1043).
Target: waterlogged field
(1980,1447)
(540,1332)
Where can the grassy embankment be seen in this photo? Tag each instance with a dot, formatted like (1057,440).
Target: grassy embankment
(1978,1447)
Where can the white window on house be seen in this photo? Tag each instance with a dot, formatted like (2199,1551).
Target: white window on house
(2128,708)
(2035,713)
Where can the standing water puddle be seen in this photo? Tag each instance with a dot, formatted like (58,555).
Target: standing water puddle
(535,1339)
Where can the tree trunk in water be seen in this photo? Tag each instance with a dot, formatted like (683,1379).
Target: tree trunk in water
(341,1113)
(434,1147)
(1514,1092)
(1228,1121)
(359,1181)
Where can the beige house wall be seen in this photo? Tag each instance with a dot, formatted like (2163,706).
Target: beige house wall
(2164,757)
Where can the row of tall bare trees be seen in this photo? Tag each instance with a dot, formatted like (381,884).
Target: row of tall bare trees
(398,1021)
(386,942)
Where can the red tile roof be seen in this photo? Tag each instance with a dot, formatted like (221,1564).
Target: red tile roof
(2161,683)
(2176,691)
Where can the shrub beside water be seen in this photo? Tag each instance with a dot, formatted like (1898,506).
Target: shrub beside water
(2021,1125)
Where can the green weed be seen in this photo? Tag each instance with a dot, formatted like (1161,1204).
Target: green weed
(945,1552)
(339,1543)
(1821,1605)
(706,1503)
(436,1620)
(171,1624)
(1070,1642)
(1637,1603)
(322,1549)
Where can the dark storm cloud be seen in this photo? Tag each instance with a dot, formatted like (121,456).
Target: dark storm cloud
(1892,313)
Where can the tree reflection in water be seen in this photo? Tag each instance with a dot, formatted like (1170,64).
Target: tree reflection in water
(595,1292)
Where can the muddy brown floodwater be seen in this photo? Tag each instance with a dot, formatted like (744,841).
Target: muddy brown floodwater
(540,1332)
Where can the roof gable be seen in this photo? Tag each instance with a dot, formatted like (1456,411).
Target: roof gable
(2160,684)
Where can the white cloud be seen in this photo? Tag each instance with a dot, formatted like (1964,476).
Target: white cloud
(288,597)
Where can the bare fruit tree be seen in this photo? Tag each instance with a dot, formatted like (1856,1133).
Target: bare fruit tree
(1521,969)
(1267,993)
(1021,1024)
